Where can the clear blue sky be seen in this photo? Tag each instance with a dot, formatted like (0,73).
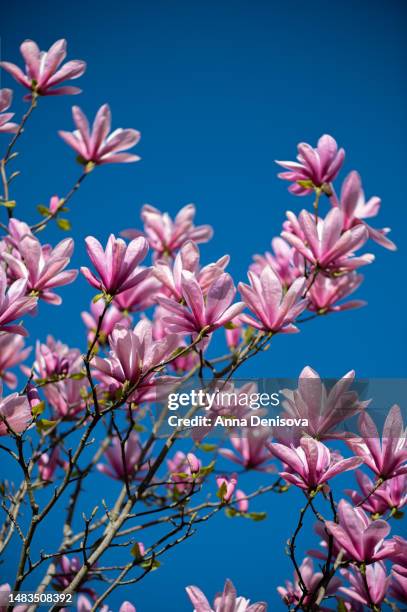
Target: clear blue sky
(219,90)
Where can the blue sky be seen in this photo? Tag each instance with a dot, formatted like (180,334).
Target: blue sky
(219,90)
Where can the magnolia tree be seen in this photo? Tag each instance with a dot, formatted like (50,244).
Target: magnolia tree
(98,408)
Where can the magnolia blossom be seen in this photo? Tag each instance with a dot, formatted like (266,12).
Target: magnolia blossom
(283,259)
(234,332)
(43,71)
(170,273)
(388,458)
(391,495)
(12,352)
(228,601)
(123,458)
(68,567)
(5,590)
(265,298)
(373,589)
(67,398)
(315,167)
(15,413)
(362,539)
(355,209)
(326,292)
(241,501)
(323,409)
(312,463)
(202,313)
(140,297)
(182,468)
(325,244)
(112,317)
(14,303)
(96,145)
(133,356)
(42,267)
(48,464)
(398,585)
(292,593)
(226,487)
(250,449)
(6,96)
(54,359)
(116,266)
(166,235)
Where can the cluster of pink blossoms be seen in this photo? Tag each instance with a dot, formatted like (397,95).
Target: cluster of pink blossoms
(313,266)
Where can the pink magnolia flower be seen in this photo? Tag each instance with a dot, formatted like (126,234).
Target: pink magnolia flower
(398,585)
(202,313)
(14,303)
(116,266)
(48,463)
(12,352)
(317,166)
(399,555)
(275,311)
(166,235)
(122,460)
(355,209)
(251,450)
(140,297)
(170,274)
(54,359)
(112,317)
(374,590)
(326,292)
(54,204)
(388,458)
(311,463)
(43,71)
(228,601)
(362,539)
(15,413)
(68,567)
(6,127)
(391,495)
(241,501)
(133,356)
(67,398)
(96,145)
(283,259)
(5,590)
(292,593)
(226,487)
(323,409)
(42,267)
(234,332)
(180,467)
(326,246)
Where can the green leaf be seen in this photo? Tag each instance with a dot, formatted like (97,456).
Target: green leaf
(204,471)
(138,427)
(341,606)
(307,184)
(38,409)
(78,376)
(44,424)
(207,448)
(230,512)
(148,564)
(9,203)
(64,224)
(43,210)
(256,516)
(97,297)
